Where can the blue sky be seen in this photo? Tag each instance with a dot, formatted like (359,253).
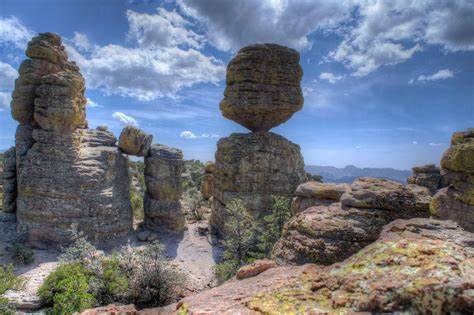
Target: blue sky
(386,83)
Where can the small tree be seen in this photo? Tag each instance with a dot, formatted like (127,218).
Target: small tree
(273,224)
(240,239)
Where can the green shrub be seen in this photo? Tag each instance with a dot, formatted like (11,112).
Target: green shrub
(21,253)
(136,200)
(8,281)
(66,289)
(81,249)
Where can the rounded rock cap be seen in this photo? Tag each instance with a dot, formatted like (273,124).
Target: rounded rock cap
(263,86)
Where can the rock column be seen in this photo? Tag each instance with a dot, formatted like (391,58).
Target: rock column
(263,90)
(9,180)
(67,174)
(456,201)
(207,181)
(163,169)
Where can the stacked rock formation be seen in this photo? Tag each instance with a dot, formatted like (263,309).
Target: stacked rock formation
(67,175)
(163,169)
(263,90)
(134,141)
(9,181)
(315,193)
(327,234)
(207,181)
(456,201)
(428,176)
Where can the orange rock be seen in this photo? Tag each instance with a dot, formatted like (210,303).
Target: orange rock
(255,268)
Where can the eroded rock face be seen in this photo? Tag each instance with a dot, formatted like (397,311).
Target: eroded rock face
(428,176)
(8,177)
(67,175)
(330,233)
(134,141)
(456,202)
(417,266)
(74,179)
(263,86)
(315,193)
(207,180)
(163,169)
(253,167)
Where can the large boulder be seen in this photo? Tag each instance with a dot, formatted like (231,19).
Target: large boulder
(207,183)
(263,86)
(79,179)
(456,201)
(377,193)
(328,234)
(253,167)
(428,176)
(315,193)
(8,177)
(417,266)
(134,141)
(163,169)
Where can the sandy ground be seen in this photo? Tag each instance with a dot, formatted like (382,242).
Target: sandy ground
(189,251)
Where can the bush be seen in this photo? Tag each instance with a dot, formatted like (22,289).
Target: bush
(21,253)
(80,251)
(193,199)
(136,200)
(8,281)
(240,240)
(67,289)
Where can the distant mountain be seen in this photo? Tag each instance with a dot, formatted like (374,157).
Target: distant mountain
(347,174)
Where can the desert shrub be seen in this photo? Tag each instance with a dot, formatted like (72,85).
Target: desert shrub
(193,199)
(240,241)
(66,289)
(8,281)
(108,284)
(272,226)
(136,200)
(21,253)
(153,281)
(80,251)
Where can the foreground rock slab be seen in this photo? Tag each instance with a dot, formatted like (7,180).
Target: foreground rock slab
(317,194)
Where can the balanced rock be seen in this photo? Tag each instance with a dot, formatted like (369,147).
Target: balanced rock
(428,176)
(163,169)
(254,167)
(134,141)
(207,180)
(9,180)
(263,86)
(317,194)
(328,234)
(456,202)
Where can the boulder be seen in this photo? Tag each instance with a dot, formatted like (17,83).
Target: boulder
(207,181)
(456,201)
(330,233)
(315,193)
(255,268)
(8,177)
(163,169)
(134,141)
(263,86)
(377,193)
(253,167)
(77,179)
(428,176)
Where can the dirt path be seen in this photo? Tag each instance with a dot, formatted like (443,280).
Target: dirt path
(189,251)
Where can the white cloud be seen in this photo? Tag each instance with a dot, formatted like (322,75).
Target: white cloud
(390,32)
(81,41)
(5,99)
(330,77)
(187,134)
(440,75)
(415,142)
(435,144)
(231,24)
(7,76)
(125,119)
(13,32)
(92,104)
(159,66)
